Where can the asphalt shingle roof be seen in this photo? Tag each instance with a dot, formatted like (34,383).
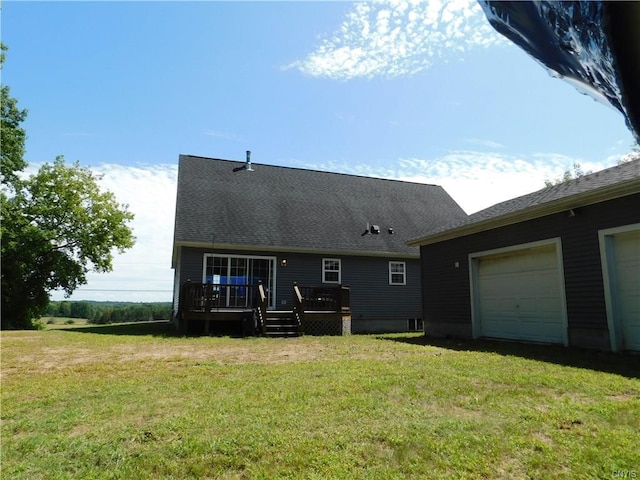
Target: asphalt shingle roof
(286,207)
(582,189)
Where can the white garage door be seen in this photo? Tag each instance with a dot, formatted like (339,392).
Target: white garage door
(626,287)
(520,296)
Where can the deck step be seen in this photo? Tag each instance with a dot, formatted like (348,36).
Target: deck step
(280,324)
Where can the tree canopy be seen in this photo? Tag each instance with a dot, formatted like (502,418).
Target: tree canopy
(633,154)
(12,135)
(56,225)
(568,175)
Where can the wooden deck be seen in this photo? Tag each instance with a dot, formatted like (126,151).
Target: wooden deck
(207,309)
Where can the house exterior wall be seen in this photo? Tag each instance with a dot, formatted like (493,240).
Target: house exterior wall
(376,306)
(176,292)
(446,290)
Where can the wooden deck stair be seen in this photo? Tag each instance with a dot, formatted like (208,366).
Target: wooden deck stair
(281,323)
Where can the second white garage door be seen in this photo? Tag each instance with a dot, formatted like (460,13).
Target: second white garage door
(519,295)
(621,247)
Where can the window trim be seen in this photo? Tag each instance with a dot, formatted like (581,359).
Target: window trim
(325,270)
(272,265)
(415,324)
(403,273)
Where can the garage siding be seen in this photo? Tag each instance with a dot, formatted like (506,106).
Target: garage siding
(446,289)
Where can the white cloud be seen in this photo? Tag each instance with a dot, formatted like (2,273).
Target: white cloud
(484,143)
(224,135)
(144,272)
(393,38)
(475,179)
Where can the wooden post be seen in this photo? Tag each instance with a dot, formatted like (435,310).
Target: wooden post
(345,306)
(298,307)
(262,305)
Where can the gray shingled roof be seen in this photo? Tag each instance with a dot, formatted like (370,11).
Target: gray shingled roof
(301,209)
(606,184)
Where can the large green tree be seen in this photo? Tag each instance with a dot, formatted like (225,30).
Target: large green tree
(55,226)
(12,135)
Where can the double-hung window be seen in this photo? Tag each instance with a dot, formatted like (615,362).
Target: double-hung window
(331,270)
(397,273)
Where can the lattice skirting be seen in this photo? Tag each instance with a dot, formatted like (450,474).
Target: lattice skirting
(337,325)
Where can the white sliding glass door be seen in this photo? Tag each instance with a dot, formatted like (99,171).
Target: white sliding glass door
(238,275)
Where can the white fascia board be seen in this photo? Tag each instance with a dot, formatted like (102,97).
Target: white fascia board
(287,249)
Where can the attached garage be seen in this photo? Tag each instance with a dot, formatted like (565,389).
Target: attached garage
(518,294)
(560,265)
(620,250)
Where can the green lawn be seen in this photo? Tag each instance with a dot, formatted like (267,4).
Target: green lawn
(61,322)
(136,402)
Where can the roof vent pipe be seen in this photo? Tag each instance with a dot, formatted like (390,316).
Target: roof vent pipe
(247,164)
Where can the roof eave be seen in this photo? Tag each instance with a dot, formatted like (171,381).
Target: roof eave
(575,201)
(286,249)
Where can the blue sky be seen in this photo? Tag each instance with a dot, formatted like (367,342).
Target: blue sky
(421,91)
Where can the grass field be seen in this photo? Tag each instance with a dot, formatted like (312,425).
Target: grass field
(136,402)
(61,322)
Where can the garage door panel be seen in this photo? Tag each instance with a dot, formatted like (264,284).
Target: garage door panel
(544,259)
(521,286)
(540,332)
(519,295)
(630,272)
(496,285)
(547,284)
(508,290)
(517,264)
(626,284)
(630,305)
(501,326)
(632,338)
(496,306)
(627,246)
(547,307)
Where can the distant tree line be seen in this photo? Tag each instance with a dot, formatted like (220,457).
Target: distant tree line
(108,312)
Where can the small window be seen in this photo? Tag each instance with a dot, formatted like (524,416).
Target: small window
(330,270)
(415,325)
(397,273)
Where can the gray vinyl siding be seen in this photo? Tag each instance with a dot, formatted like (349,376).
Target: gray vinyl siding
(376,306)
(176,288)
(446,289)
(191,264)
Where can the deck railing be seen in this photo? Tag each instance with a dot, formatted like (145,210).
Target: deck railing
(261,309)
(325,298)
(298,308)
(205,297)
